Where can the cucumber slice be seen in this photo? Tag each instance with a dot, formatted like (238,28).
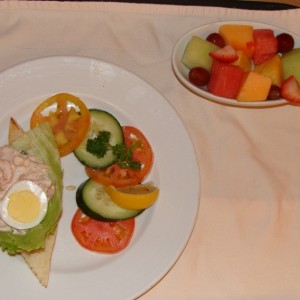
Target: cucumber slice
(96,203)
(100,121)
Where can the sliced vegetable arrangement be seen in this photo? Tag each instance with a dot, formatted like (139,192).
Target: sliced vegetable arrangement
(133,161)
(117,160)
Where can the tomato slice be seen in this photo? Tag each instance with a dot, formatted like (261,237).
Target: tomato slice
(68,117)
(121,177)
(101,236)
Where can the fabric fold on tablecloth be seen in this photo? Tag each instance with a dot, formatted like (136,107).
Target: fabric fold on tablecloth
(246,241)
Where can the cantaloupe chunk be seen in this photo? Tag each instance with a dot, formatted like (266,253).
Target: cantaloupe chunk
(271,68)
(239,36)
(196,53)
(255,87)
(243,61)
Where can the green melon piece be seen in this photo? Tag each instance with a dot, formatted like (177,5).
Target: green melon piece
(290,64)
(196,53)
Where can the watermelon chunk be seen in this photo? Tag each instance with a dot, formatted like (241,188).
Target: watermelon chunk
(266,45)
(225,80)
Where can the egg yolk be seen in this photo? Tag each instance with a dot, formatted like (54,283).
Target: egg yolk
(24,206)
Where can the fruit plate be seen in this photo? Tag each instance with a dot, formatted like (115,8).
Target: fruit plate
(161,232)
(203,31)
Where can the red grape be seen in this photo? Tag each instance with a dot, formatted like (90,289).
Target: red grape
(216,39)
(199,76)
(285,42)
(274,93)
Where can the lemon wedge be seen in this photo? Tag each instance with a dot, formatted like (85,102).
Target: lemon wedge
(139,196)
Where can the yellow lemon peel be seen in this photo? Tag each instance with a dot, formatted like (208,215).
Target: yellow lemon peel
(139,196)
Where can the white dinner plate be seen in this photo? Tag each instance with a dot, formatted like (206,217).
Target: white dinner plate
(161,232)
(203,31)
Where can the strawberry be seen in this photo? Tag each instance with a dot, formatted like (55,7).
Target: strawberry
(290,90)
(226,54)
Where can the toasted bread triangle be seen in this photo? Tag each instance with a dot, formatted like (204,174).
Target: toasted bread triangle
(14,130)
(39,261)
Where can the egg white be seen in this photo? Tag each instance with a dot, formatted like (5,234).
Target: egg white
(21,186)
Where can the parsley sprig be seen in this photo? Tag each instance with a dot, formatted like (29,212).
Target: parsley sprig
(99,145)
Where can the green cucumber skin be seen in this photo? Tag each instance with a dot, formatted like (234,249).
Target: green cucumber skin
(100,120)
(96,204)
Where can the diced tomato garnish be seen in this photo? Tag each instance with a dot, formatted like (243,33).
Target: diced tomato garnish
(68,117)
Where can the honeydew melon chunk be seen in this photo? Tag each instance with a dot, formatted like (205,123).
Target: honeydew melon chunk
(196,53)
(290,64)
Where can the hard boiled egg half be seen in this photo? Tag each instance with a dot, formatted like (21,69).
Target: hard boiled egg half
(24,205)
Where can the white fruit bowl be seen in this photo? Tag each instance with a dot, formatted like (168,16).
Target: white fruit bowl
(203,31)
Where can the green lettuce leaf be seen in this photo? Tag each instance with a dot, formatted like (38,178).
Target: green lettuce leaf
(39,142)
